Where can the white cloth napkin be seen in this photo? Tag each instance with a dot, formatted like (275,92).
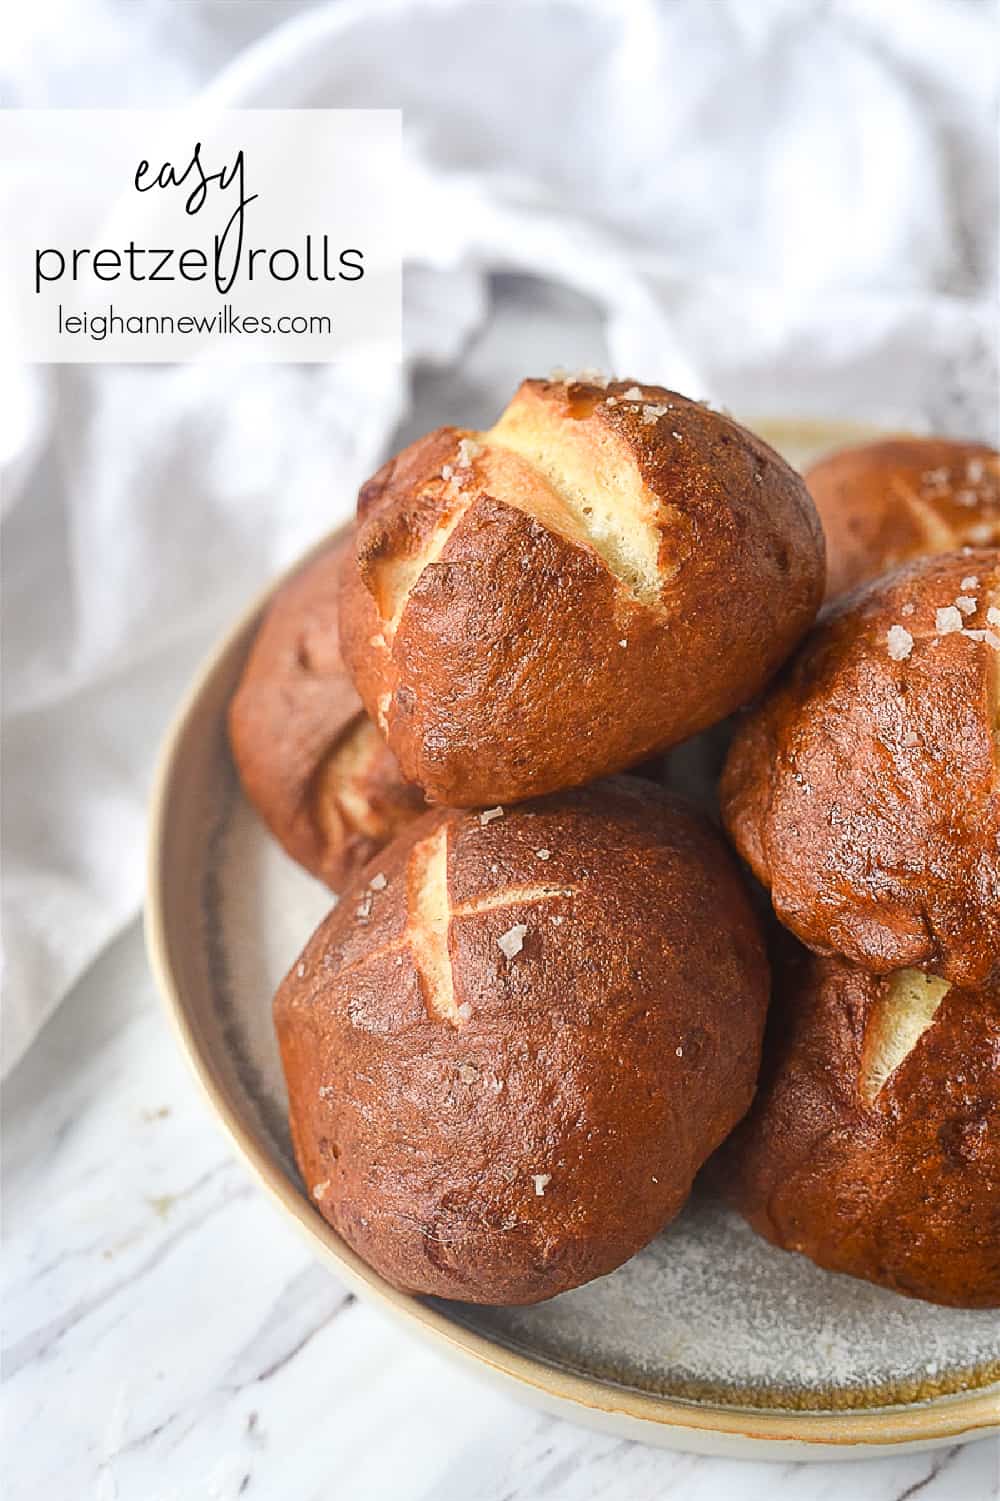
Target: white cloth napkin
(786,206)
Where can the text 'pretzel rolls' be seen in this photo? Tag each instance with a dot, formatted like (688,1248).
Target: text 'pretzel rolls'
(605,572)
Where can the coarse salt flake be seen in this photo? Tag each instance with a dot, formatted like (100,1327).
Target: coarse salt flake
(966,604)
(623,641)
(320,1191)
(993,615)
(632,394)
(377,641)
(543,854)
(488,815)
(378,882)
(899,642)
(948,620)
(541,1182)
(971,582)
(512,942)
(907,609)
(468,449)
(588,376)
(300,971)
(652,412)
(975,470)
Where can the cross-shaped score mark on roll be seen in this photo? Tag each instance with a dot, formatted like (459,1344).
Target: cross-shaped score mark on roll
(429,915)
(538,461)
(937,534)
(396,577)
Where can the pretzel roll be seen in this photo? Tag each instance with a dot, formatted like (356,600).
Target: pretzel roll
(864,789)
(511,1047)
(885,503)
(309,758)
(873,1144)
(602,574)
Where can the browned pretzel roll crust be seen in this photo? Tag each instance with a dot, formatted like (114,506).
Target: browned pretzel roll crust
(511,1047)
(873,1145)
(310,760)
(864,790)
(603,573)
(882,504)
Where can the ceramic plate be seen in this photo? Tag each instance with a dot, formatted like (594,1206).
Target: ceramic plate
(709,1339)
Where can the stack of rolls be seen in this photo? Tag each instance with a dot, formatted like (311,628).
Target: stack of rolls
(538,1006)
(864,792)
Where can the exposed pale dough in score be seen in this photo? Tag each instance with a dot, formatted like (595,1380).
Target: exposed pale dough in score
(512,896)
(429,921)
(900,1018)
(584,487)
(601,490)
(398,576)
(340,784)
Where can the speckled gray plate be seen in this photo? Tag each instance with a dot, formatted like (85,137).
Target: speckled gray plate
(709,1339)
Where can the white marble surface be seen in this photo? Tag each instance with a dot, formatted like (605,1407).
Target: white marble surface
(168,1338)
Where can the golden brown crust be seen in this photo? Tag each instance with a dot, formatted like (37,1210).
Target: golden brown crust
(901,1187)
(500,1127)
(575,590)
(885,503)
(864,790)
(310,760)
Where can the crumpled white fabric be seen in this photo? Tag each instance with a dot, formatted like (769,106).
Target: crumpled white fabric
(786,206)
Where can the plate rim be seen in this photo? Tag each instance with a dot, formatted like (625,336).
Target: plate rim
(664,1420)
